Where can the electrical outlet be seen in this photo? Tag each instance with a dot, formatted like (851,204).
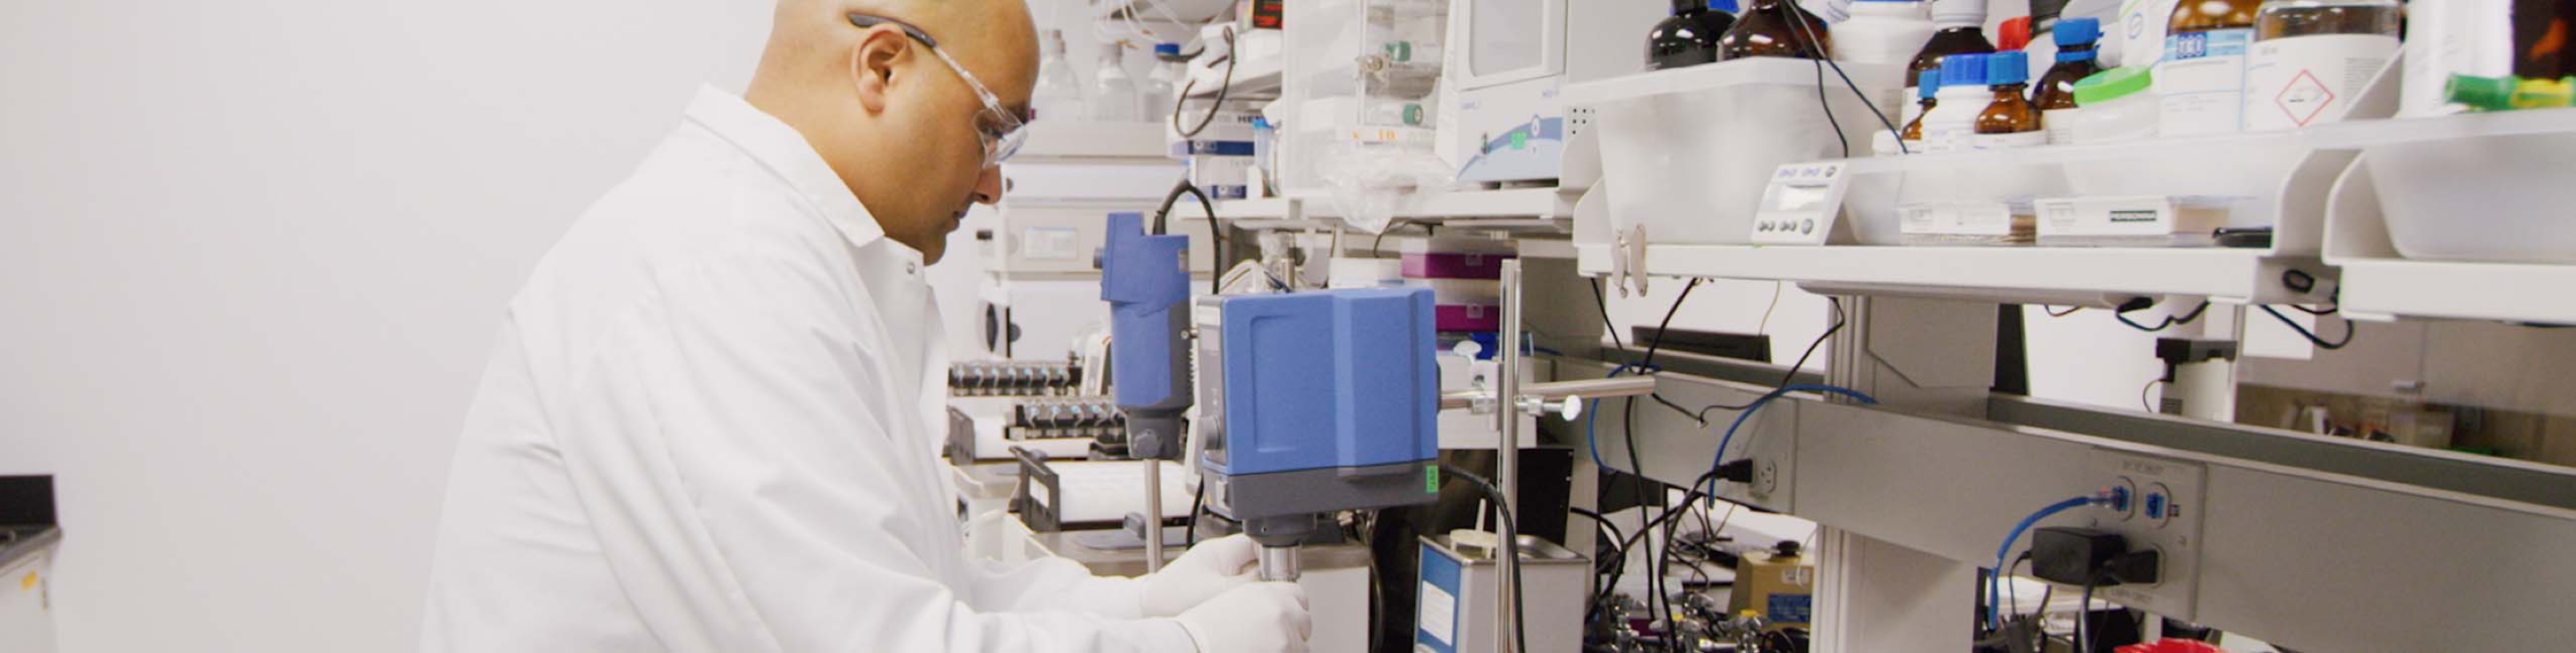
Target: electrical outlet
(2165,505)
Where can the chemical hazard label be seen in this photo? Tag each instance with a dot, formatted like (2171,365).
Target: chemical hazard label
(2310,80)
(2304,99)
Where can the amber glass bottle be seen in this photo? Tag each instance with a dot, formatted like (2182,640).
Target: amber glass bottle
(1776,28)
(2010,120)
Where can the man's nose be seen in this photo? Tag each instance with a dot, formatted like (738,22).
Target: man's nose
(989,185)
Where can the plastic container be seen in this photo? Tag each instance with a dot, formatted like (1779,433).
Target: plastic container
(1456,258)
(1953,119)
(1162,87)
(1882,32)
(1058,95)
(1686,153)
(2484,188)
(2119,105)
(1466,317)
(1113,93)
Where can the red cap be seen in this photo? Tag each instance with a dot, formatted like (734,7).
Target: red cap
(2171,645)
(2014,34)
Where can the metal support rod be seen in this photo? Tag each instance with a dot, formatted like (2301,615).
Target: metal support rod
(1628,386)
(1507,456)
(1153,515)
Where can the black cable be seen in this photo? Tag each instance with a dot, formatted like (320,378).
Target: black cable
(2083,616)
(2169,321)
(1182,98)
(1654,576)
(1511,549)
(1216,231)
(1601,303)
(2350,329)
(1198,503)
(1376,245)
(1791,376)
(1649,362)
(2067,312)
(1883,120)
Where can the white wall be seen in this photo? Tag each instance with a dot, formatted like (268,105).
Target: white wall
(251,256)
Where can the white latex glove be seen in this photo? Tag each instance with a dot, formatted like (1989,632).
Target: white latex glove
(1206,570)
(1255,618)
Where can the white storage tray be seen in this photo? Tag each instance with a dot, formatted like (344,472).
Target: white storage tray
(1686,151)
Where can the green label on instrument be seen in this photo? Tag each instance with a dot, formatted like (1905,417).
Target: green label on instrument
(1430,480)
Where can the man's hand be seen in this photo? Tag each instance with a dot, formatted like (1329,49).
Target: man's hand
(1202,573)
(1255,618)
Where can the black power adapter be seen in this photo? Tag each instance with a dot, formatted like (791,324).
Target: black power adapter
(2084,556)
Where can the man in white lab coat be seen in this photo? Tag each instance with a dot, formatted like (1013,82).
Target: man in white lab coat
(709,422)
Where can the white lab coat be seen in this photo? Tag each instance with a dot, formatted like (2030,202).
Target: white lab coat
(709,426)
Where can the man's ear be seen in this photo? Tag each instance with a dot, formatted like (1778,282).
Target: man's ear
(873,64)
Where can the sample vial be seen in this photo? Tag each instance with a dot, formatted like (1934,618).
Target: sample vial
(2009,119)
(1776,28)
(2077,58)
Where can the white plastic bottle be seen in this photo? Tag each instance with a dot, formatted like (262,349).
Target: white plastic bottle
(1113,92)
(1058,95)
(1952,121)
(1882,32)
(1163,86)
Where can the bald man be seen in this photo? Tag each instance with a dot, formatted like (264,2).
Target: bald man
(709,423)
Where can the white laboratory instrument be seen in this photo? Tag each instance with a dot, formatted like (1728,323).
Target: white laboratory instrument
(1501,119)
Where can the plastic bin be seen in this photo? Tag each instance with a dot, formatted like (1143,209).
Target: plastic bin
(2478,187)
(1687,151)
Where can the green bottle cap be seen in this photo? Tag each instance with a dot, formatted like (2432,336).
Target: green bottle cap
(2112,84)
(2482,93)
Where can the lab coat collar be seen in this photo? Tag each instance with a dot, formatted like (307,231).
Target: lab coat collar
(786,154)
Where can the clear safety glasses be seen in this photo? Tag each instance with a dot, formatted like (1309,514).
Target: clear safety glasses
(1003,131)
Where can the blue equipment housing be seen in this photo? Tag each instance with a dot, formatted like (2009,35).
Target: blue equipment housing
(1146,280)
(1316,402)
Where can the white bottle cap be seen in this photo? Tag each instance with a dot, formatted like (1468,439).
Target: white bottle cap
(1959,13)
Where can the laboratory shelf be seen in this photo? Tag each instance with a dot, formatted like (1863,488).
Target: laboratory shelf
(2075,275)
(1253,79)
(1165,11)
(2455,190)
(2535,293)
(1083,139)
(1506,207)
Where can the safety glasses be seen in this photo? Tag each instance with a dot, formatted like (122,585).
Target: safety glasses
(1002,131)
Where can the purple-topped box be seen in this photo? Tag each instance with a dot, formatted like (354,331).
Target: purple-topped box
(1466,317)
(1454,265)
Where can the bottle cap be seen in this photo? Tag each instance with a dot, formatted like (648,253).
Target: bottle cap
(2014,34)
(1959,13)
(2488,93)
(1167,49)
(2543,93)
(1930,84)
(1963,70)
(2112,84)
(1727,6)
(2007,67)
(2071,32)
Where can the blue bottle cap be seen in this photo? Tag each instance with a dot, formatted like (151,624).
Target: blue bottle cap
(1929,86)
(2071,32)
(1727,6)
(1963,70)
(2007,67)
(1167,48)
